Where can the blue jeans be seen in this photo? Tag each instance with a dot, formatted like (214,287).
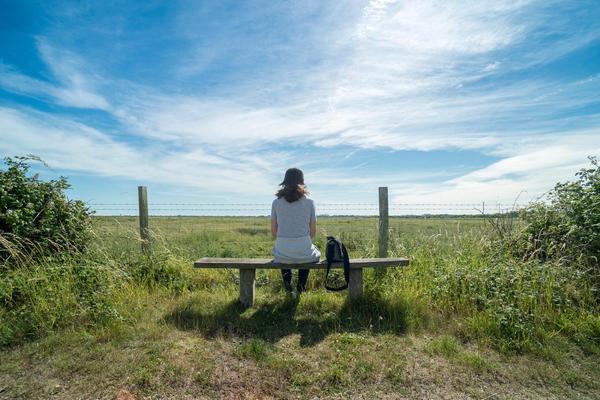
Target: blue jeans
(286,274)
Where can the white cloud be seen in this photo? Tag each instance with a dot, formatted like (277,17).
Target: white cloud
(407,76)
(526,175)
(68,145)
(433,26)
(74,87)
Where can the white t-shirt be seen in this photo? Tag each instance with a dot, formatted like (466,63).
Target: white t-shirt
(293,219)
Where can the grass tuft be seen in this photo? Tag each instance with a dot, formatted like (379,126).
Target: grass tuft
(256,349)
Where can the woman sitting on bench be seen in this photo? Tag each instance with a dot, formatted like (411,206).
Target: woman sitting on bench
(294,225)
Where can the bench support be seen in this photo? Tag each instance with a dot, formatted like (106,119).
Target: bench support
(247,285)
(248,267)
(355,285)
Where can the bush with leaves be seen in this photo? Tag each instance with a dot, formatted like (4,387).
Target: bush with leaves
(567,229)
(36,216)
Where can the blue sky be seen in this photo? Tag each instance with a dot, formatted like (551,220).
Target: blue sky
(210,102)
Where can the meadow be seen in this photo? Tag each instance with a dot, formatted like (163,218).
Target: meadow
(465,320)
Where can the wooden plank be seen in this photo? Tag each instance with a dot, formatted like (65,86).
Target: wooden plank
(143,211)
(247,286)
(265,263)
(355,285)
(383,222)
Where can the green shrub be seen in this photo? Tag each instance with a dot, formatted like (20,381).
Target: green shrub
(480,291)
(36,215)
(567,229)
(513,302)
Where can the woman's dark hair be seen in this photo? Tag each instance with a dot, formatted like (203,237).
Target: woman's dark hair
(292,187)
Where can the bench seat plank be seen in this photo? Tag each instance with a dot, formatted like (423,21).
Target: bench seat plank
(265,263)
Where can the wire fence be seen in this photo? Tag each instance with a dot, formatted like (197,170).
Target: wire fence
(323,209)
(374,233)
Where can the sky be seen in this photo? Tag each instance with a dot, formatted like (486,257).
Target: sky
(209,102)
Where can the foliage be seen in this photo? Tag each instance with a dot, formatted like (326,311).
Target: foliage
(159,269)
(36,215)
(461,280)
(54,294)
(515,304)
(528,292)
(567,229)
(486,294)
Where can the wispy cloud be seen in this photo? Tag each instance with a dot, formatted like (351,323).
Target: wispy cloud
(68,145)
(73,87)
(400,75)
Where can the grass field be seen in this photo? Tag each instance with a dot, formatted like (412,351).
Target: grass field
(464,320)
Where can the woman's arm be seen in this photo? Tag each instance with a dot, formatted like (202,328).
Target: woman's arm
(273,221)
(312,225)
(274,227)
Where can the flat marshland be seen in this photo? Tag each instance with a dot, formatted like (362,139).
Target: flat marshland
(466,319)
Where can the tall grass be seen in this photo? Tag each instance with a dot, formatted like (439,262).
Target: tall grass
(459,281)
(489,295)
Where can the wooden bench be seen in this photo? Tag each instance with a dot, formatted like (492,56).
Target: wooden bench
(248,267)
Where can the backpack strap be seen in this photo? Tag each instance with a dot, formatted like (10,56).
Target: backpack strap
(346,271)
(346,265)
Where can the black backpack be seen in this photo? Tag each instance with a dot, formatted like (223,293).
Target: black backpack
(335,251)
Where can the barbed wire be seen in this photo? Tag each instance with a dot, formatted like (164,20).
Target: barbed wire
(321,211)
(318,204)
(160,209)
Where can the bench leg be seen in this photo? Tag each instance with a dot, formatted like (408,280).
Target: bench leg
(247,283)
(355,285)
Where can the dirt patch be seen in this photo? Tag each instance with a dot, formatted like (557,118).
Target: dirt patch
(125,394)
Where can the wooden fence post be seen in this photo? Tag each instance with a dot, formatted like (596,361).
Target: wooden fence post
(383,222)
(143,208)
